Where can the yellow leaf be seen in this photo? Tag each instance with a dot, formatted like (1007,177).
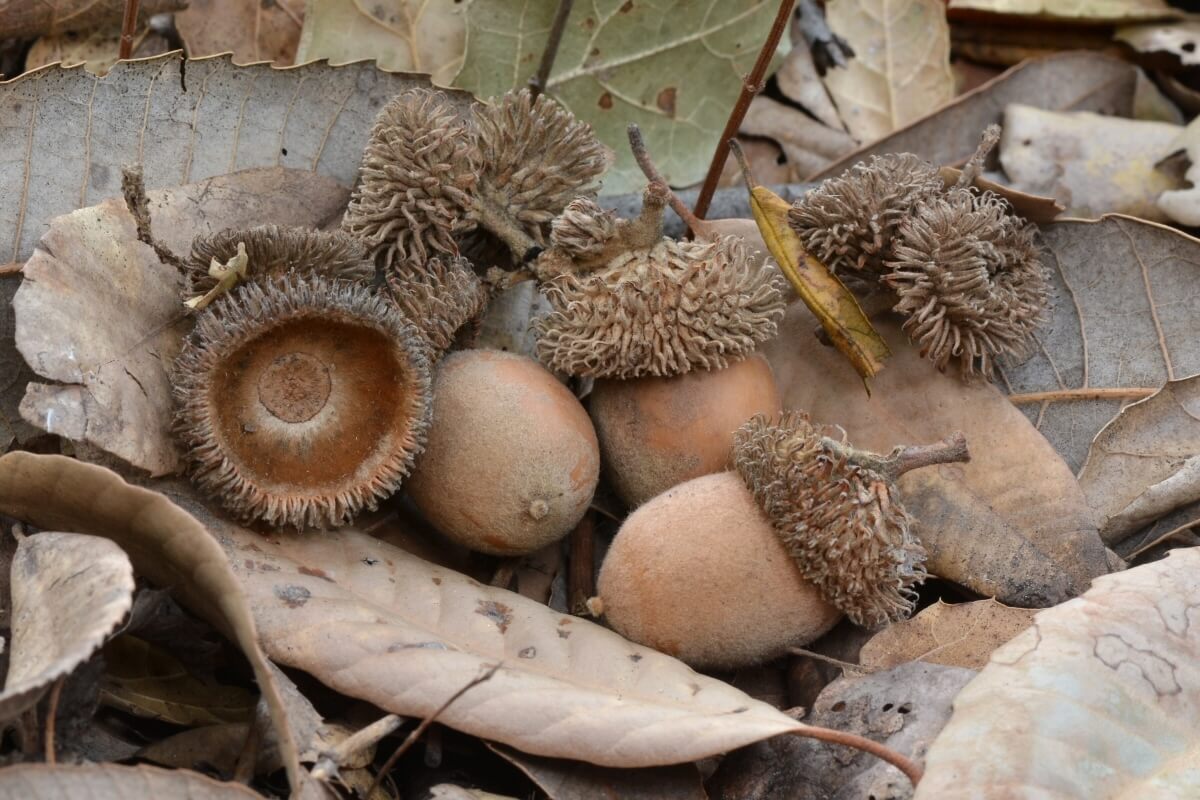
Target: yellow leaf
(826,296)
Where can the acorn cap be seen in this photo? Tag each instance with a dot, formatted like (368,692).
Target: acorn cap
(848,222)
(273,250)
(665,310)
(843,523)
(969,281)
(535,158)
(417,170)
(440,297)
(301,400)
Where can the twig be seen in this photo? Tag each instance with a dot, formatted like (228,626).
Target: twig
(844,665)
(51,713)
(750,87)
(425,723)
(950,450)
(903,763)
(329,761)
(537,84)
(581,569)
(12,268)
(1086,393)
(133,187)
(128,27)
(638,145)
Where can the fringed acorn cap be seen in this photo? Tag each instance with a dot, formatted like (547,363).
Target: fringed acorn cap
(302,401)
(417,171)
(535,157)
(969,279)
(837,511)
(662,310)
(848,222)
(441,297)
(273,250)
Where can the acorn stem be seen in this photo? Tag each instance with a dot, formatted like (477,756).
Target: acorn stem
(974,167)
(491,215)
(638,145)
(952,449)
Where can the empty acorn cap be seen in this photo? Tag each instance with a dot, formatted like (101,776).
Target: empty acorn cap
(301,400)
(273,250)
(842,522)
(417,170)
(969,279)
(441,297)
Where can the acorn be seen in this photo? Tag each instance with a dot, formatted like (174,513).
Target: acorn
(668,329)
(511,461)
(301,400)
(805,529)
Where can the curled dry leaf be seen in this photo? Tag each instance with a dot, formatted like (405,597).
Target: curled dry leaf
(166,545)
(1072,81)
(901,64)
(1012,523)
(254,32)
(1070,156)
(958,635)
(99,313)
(69,592)
(1146,461)
(46,782)
(412,35)
(1098,698)
(1091,361)
(1033,207)
(809,145)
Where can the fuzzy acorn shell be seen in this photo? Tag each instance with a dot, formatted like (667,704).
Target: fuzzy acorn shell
(301,401)
(512,460)
(443,297)
(656,433)
(699,573)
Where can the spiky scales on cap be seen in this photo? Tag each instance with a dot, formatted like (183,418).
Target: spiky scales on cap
(440,297)
(839,515)
(301,400)
(969,280)
(418,169)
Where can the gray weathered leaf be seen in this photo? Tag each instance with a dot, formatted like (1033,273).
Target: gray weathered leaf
(1122,324)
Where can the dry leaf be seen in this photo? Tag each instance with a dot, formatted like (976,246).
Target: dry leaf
(1183,205)
(1180,39)
(958,635)
(1011,524)
(798,80)
(1090,360)
(1106,11)
(901,64)
(1064,82)
(376,623)
(809,145)
(100,314)
(24,20)
(904,708)
(1035,208)
(1151,103)
(1146,461)
(149,682)
(97,50)
(165,544)
(1090,163)
(69,592)
(766,159)
(252,31)
(413,35)
(105,781)
(14,372)
(1099,698)
(575,780)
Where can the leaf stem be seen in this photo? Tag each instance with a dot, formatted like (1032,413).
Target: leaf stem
(751,86)
(903,763)
(537,84)
(128,27)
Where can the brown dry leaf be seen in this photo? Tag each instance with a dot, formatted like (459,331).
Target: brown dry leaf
(957,635)
(69,592)
(901,66)
(1099,11)
(904,708)
(1180,39)
(1011,524)
(264,30)
(97,50)
(1073,81)
(100,314)
(1090,163)
(809,145)
(147,681)
(1145,463)
(413,35)
(25,20)
(575,780)
(105,781)
(1035,208)
(1090,361)
(798,80)
(165,544)
(1099,698)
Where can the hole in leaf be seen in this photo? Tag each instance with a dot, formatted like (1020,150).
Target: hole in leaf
(838,706)
(887,706)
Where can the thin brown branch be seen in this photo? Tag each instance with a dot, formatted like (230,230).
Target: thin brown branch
(537,84)
(1111,393)
(412,738)
(12,268)
(642,155)
(51,714)
(128,27)
(903,763)
(581,569)
(750,87)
